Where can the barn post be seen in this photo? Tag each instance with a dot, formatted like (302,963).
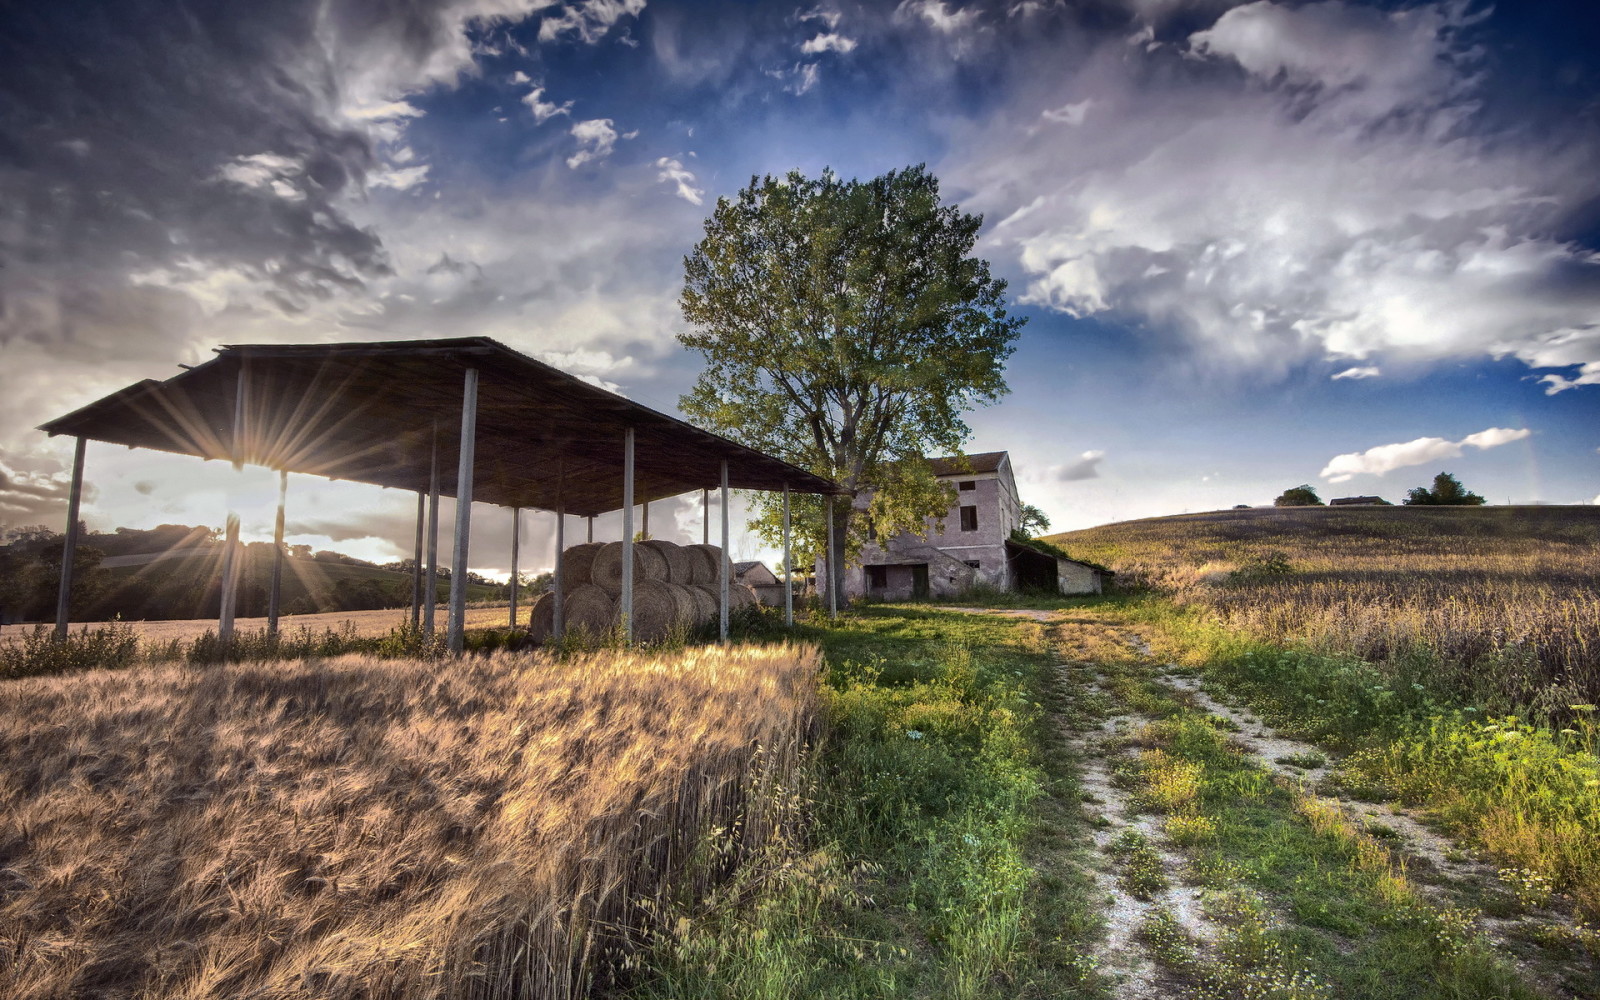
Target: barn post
(232,558)
(430,597)
(516,533)
(559,627)
(834,575)
(705,517)
(627,536)
(788,569)
(723,569)
(69,547)
(416,561)
(590,537)
(458,563)
(644,528)
(275,596)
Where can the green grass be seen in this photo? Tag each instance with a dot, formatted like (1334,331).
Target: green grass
(927,797)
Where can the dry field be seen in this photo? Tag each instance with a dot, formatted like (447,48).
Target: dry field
(361,623)
(1504,601)
(476,827)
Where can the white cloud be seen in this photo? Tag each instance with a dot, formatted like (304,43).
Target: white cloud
(401,179)
(1339,209)
(805,77)
(1068,114)
(946,19)
(1388,457)
(519,77)
(589,20)
(261,170)
(1358,372)
(674,171)
(1588,374)
(596,137)
(826,16)
(828,43)
(544,110)
(1086,467)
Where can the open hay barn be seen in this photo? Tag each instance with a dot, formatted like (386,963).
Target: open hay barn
(467,418)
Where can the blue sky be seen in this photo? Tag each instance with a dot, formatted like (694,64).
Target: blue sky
(1259,244)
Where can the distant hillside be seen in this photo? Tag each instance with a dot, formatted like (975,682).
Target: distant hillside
(1163,550)
(174,572)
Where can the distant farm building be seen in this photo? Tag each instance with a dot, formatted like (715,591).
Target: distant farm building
(972,545)
(755,575)
(1358,502)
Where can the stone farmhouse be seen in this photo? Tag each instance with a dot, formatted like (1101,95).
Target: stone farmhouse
(971,546)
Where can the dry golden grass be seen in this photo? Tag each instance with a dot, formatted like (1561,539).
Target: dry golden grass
(1505,597)
(360,623)
(477,827)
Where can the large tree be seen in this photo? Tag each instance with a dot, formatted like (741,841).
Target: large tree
(1304,495)
(1447,492)
(846,328)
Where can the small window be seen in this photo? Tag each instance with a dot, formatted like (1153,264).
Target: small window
(969,519)
(974,563)
(872,532)
(968,484)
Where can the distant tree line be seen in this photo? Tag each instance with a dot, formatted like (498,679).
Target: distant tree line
(1447,491)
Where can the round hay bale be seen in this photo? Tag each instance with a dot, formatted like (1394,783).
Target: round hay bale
(678,561)
(542,620)
(651,561)
(742,595)
(653,611)
(688,608)
(711,558)
(705,603)
(576,565)
(588,609)
(606,573)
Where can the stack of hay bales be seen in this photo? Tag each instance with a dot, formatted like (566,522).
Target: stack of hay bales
(673,586)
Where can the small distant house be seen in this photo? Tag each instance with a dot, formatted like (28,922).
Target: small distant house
(756,575)
(1358,502)
(972,545)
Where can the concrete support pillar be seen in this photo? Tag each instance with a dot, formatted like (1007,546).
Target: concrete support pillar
(275,595)
(232,556)
(464,470)
(516,534)
(644,527)
(416,560)
(430,597)
(69,547)
(559,628)
(834,574)
(627,536)
(705,517)
(788,565)
(590,536)
(724,567)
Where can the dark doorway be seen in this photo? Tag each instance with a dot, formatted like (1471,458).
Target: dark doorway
(877,580)
(919,582)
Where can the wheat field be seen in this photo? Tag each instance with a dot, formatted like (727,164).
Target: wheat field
(481,827)
(1499,603)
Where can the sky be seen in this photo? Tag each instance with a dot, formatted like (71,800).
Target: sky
(1260,244)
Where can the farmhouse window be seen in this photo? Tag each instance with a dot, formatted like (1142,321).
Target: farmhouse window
(872,532)
(974,563)
(969,519)
(968,484)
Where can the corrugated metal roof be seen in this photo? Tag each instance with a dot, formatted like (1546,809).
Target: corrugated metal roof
(370,412)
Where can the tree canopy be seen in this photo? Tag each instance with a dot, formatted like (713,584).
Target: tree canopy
(1447,492)
(846,329)
(1304,495)
(1034,521)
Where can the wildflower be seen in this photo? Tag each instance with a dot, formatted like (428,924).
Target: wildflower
(913,734)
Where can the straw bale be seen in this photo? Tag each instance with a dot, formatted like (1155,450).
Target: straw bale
(576,565)
(739,595)
(678,561)
(654,610)
(606,573)
(542,620)
(651,561)
(711,556)
(688,609)
(705,602)
(588,609)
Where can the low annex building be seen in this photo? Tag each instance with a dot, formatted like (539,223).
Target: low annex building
(971,546)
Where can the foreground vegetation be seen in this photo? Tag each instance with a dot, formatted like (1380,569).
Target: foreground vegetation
(498,826)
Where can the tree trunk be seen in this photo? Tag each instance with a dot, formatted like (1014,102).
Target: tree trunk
(839,530)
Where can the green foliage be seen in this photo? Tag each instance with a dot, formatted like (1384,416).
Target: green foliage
(38,653)
(845,329)
(1034,520)
(1447,492)
(1304,495)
